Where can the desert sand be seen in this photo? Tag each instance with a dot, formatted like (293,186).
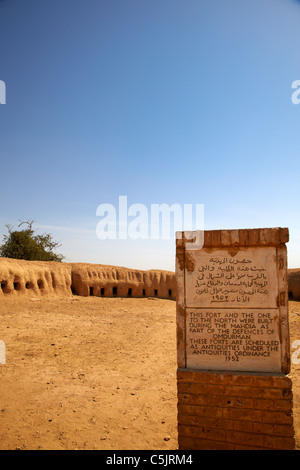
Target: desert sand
(95,373)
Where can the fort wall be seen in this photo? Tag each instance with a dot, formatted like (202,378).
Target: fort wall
(27,278)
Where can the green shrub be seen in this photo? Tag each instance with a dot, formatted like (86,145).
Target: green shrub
(24,244)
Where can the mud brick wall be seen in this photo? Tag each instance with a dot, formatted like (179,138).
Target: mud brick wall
(43,278)
(234,411)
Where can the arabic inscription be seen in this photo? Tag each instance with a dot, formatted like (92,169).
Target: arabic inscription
(245,280)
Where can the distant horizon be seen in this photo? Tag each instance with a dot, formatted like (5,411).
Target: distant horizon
(138,268)
(171,247)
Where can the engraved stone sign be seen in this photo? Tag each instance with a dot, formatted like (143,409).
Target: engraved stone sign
(232,305)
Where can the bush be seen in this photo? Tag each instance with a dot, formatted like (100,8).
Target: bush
(23,244)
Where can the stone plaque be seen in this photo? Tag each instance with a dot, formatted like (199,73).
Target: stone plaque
(245,279)
(233,339)
(232,305)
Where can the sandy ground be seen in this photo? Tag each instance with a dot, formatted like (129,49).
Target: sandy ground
(95,373)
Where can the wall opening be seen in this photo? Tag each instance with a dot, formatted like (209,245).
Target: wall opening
(91,291)
(40,284)
(17,285)
(53,281)
(102,291)
(129,292)
(155,292)
(144,292)
(291,296)
(170,292)
(4,286)
(73,290)
(29,285)
(115,290)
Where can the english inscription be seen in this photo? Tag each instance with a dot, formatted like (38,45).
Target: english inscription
(227,339)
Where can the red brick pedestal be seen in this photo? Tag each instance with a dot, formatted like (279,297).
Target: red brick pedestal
(234,411)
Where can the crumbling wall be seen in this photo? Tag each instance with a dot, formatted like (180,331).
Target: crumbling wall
(112,281)
(19,277)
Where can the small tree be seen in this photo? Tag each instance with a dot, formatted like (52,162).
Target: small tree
(23,244)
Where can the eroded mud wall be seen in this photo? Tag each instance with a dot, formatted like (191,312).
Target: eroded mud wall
(19,277)
(111,281)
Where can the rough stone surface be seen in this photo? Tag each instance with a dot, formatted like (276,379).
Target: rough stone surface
(241,237)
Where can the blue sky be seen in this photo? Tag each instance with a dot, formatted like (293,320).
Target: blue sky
(164,101)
